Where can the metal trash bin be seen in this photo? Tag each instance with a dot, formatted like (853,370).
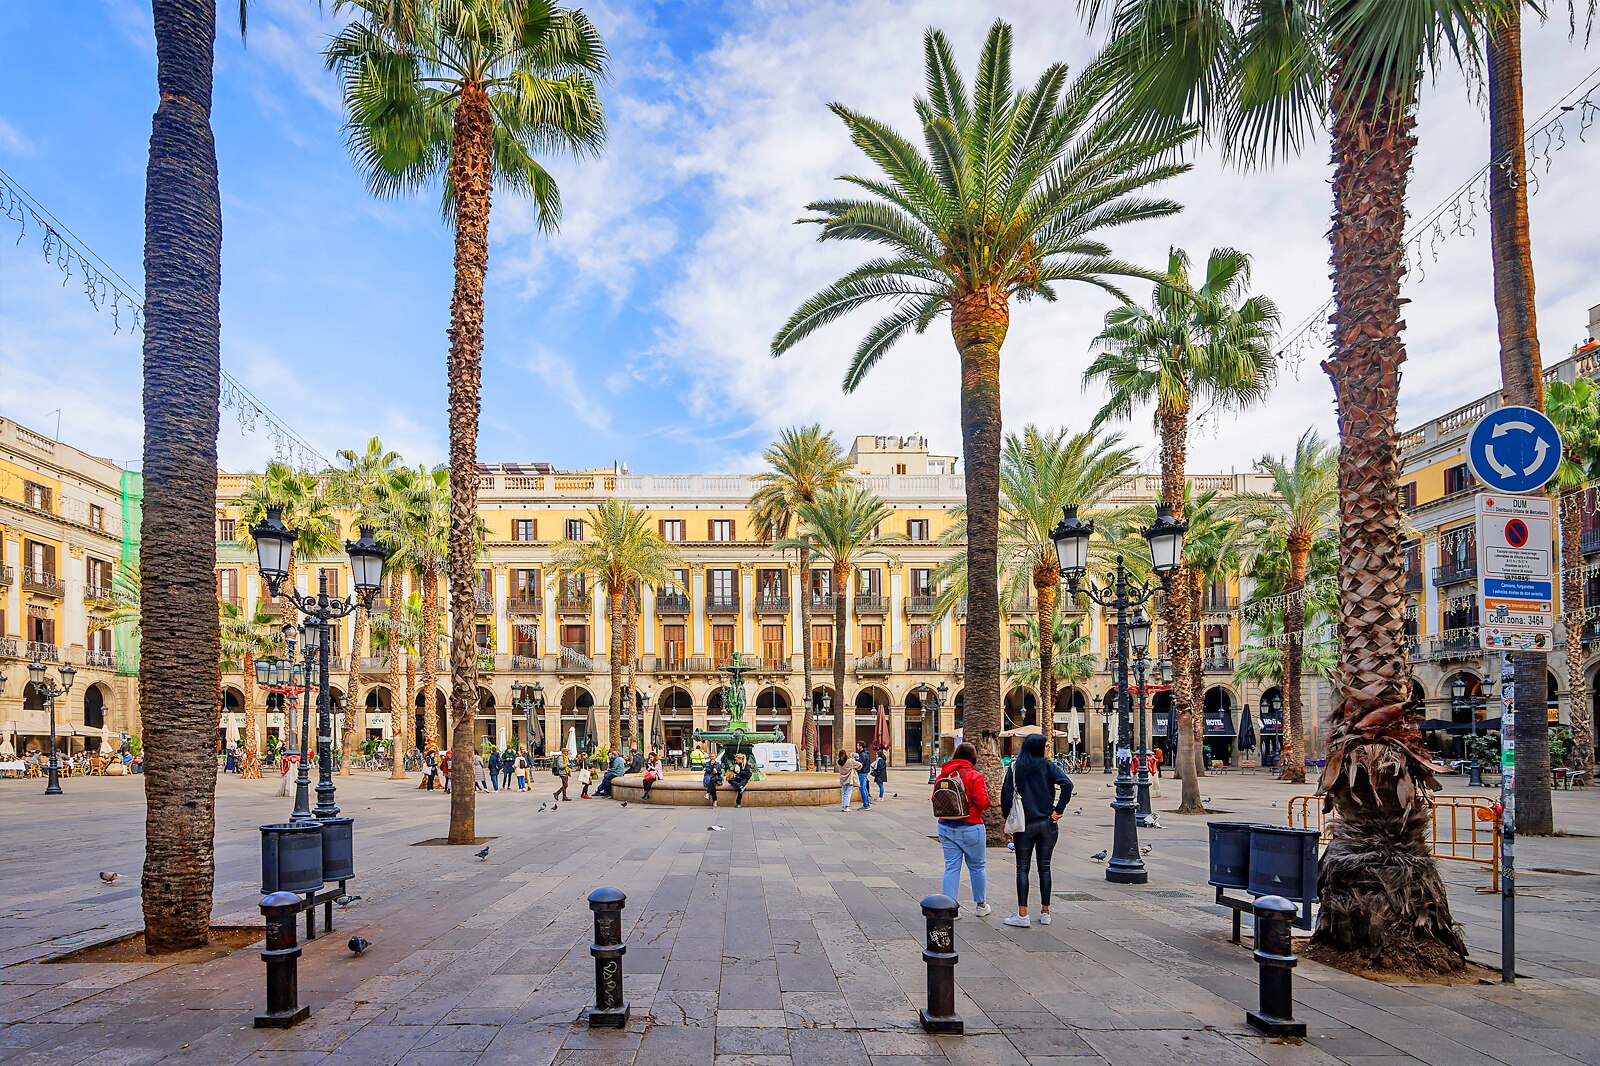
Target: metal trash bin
(338,849)
(1230,853)
(291,857)
(1283,862)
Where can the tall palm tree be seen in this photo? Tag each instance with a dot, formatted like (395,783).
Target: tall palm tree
(1206,346)
(414,513)
(396,631)
(469,91)
(246,638)
(1262,657)
(355,487)
(1041,472)
(841,526)
(1299,509)
(1070,665)
(1010,198)
(1211,554)
(1263,76)
(307,509)
(1575,409)
(803,461)
(619,550)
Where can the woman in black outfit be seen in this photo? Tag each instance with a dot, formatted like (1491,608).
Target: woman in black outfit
(1043,789)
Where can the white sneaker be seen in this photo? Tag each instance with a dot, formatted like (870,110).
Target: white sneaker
(983,910)
(1019,921)
(1044,919)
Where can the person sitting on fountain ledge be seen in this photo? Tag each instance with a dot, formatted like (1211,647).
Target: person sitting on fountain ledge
(739,778)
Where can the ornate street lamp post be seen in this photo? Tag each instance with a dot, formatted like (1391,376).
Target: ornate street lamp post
(1165,537)
(1139,640)
(274,543)
(39,675)
(1459,698)
(529,699)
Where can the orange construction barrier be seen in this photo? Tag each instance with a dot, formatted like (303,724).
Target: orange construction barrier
(1465,828)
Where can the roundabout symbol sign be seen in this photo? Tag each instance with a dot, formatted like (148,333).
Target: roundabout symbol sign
(1514,449)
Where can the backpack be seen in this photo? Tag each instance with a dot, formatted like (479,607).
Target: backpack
(950,798)
(558,766)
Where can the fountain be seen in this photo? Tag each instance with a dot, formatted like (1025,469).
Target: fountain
(738,738)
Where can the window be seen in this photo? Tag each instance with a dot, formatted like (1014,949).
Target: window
(480,636)
(921,581)
(575,638)
(674,595)
(722,645)
(525,529)
(935,466)
(97,575)
(899,468)
(773,648)
(574,529)
(822,647)
(1412,559)
(1017,633)
(771,587)
(331,575)
(721,592)
(871,640)
(41,626)
(672,530)
(922,648)
(226,529)
(40,561)
(821,588)
(1458,548)
(869,582)
(961,640)
(1458,479)
(36,495)
(100,641)
(721,529)
(334,643)
(97,516)
(228,586)
(917,529)
(573,591)
(525,641)
(1408,495)
(1216,645)
(674,646)
(525,584)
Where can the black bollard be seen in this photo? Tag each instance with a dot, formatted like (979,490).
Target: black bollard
(940,1017)
(282,956)
(1275,959)
(609,1010)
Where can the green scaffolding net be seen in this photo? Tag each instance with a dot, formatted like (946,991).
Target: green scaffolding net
(126,634)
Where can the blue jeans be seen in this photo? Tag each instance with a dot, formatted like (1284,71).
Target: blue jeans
(866,789)
(964,840)
(880,790)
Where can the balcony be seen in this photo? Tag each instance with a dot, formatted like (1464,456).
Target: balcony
(7,575)
(41,581)
(918,665)
(1455,572)
(772,602)
(483,601)
(1457,644)
(822,601)
(1216,603)
(1591,631)
(374,664)
(96,593)
(870,603)
(36,652)
(100,660)
(872,664)
(920,603)
(525,603)
(1416,650)
(232,599)
(10,648)
(722,602)
(1589,541)
(1217,662)
(1413,580)
(672,603)
(574,602)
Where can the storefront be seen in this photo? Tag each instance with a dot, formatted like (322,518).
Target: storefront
(1269,734)
(1221,735)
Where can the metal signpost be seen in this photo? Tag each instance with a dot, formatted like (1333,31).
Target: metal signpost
(1513,450)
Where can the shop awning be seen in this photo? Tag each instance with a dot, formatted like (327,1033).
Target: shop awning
(1220,724)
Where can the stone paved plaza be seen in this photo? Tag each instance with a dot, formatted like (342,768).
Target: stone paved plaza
(792,936)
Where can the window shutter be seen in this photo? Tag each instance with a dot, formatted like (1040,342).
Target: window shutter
(711,528)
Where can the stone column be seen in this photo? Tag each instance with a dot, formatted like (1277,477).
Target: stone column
(699,639)
(747,609)
(500,586)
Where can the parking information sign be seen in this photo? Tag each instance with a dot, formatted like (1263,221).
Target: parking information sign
(1516,572)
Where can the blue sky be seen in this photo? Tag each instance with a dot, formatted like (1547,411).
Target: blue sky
(639,333)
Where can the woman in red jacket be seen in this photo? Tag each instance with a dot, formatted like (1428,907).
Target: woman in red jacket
(963,838)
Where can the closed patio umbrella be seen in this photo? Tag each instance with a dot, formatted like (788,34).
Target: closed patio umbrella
(1247,731)
(880,730)
(658,729)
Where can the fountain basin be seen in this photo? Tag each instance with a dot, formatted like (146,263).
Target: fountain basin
(683,789)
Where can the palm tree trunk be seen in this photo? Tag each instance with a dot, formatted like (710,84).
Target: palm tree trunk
(470,176)
(1579,713)
(1521,372)
(1197,671)
(353,703)
(1174,431)
(1382,897)
(803,590)
(615,607)
(1292,763)
(251,770)
(1045,581)
(182,378)
(842,710)
(430,659)
(399,716)
(978,322)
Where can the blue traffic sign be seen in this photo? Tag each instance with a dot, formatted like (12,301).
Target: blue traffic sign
(1514,449)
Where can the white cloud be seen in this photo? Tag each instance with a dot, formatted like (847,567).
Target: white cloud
(574,392)
(13,141)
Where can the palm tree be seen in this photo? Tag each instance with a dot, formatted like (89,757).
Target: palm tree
(1262,76)
(804,460)
(1071,665)
(355,487)
(1575,409)
(1262,657)
(245,638)
(841,526)
(468,90)
(1041,472)
(396,631)
(619,551)
(307,509)
(1193,346)
(1211,554)
(1299,509)
(1010,198)
(412,508)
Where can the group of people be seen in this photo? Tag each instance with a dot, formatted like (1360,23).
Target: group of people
(1035,784)
(857,770)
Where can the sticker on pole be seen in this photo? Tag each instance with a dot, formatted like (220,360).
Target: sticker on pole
(1514,449)
(1516,572)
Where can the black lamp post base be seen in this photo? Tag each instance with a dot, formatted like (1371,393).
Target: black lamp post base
(53,787)
(608,1019)
(941,1025)
(1127,873)
(283,1019)
(1279,1027)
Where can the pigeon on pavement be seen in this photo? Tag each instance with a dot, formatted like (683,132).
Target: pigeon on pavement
(347,900)
(484,854)
(624,803)
(715,828)
(542,806)
(1099,856)
(108,876)
(1146,849)
(359,944)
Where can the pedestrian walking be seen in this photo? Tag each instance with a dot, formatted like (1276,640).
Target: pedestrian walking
(848,765)
(508,763)
(480,772)
(522,772)
(1042,789)
(494,768)
(880,771)
(742,772)
(444,769)
(652,772)
(585,778)
(960,796)
(430,769)
(864,773)
(562,768)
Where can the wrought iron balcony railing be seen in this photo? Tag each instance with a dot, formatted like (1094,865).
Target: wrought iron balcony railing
(1455,571)
(525,603)
(42,581)
(772,601)
(870,602)
(722,601)
(672,603)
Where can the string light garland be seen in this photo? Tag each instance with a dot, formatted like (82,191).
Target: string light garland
(105,289)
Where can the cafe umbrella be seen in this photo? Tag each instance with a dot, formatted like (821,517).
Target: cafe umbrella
(1247,731)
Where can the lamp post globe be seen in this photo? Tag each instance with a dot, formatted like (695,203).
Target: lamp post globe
(274,547)
(1165,536)
(367,557)
(1071,537)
